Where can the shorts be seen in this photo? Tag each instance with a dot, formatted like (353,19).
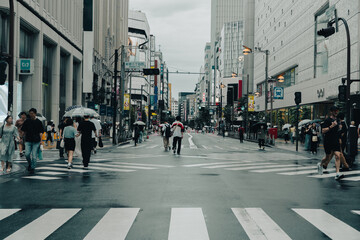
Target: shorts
(69,144)
(332,147)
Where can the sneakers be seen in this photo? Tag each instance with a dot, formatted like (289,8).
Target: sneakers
(320,168)
(69,166)
(339,176)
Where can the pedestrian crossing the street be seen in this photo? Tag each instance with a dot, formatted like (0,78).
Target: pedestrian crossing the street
(183,223)
(56,171)
(309,170)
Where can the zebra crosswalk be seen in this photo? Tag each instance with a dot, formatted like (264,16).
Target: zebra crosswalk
(56,171)
(185,223)
(308,170)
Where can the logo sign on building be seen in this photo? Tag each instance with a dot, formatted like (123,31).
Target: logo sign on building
(26,66)
(134,66)
(147,111)
(251,103)
(126,102)
(278,93)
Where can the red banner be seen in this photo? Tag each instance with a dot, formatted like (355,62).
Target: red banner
(240,89)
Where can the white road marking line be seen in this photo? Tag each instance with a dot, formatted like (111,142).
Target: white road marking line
(219,147)
(154,146)
(259,167)
(45,225)
(258,225)
(114,225)
(328,224)
(41,178)
(192,144)
(125,146)
(123,166)
(207,164)
(187,223)
(141,164)
(355,212)
(205,147)
(98,168)
(64,168)
(302,172)
(284,169)
(239,165)
(333,174)
(4,213)
(51,173)
(351,179)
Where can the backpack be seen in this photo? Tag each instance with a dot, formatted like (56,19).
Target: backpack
(168,131)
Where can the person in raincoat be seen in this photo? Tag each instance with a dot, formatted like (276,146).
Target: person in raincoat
(8,133)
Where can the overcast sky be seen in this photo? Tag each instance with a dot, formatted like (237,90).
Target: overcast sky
(182,29)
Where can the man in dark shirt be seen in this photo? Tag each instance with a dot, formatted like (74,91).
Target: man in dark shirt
(330,129)
(33,130)
(86,128)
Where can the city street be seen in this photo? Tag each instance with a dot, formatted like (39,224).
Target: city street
(217,188)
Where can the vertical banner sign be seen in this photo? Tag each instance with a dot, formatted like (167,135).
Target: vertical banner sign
(204,98)
(240,90)
(251,103)
(126,102)
(147,111)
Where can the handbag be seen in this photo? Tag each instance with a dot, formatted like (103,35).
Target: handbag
(100,142)
(314,138)
(62,143)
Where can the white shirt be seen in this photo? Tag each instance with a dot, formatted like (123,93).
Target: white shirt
(177,128)
(97,126)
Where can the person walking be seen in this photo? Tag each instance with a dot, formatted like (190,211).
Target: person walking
(69,137)
(136,134)
(61,127)
(49,130)
(314,138)
(8,134)
(166,133)
(178,130)
(97,124)
(33,129)
(332,146)
(261,137)
(293,134)
(241,134)
(342,135)
(85,129)
(286,135)
(19,123)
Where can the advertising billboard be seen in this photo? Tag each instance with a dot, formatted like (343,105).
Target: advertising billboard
(251,105)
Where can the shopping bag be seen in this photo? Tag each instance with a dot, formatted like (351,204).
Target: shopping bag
(62,143)
(100,142)
(40,155)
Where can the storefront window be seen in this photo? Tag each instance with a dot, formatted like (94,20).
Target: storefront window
(321,44)
(3,33)
(25,44)
(290,78)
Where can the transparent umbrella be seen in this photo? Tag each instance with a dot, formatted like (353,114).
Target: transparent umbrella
(81,112)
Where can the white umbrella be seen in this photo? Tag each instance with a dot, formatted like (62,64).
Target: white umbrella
(287,125)
(139,123)
(303,122)
(81,112)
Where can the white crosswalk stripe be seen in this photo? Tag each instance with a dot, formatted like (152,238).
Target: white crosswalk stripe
(284,169)
(258,225)
(238,165)
(153,146)
(107,228)
(42,227)
(328,224)
(4,213)
(185,223)
(257,167)
(333,174)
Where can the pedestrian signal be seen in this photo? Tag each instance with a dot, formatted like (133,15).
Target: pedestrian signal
(342,93)
(297,98)
(3,76)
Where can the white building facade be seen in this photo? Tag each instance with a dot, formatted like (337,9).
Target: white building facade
(309,63)
(49,35)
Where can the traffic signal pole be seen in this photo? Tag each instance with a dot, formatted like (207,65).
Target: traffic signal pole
(11,57)
(115,96)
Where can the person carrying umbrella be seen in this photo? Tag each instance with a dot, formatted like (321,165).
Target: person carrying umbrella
(261,137)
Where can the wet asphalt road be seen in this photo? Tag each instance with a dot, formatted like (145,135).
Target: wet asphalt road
(216,189)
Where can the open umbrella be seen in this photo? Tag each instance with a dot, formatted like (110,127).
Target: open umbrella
(315,121)
(303,122)
(287,125)
(81,112)
(140,123)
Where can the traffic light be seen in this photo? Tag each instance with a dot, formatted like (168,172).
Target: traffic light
(326,32)
(297,98)
(3,66)
(342,93)
(151,71)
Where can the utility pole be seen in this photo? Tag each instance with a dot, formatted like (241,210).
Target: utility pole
(11,57)
(115,95)
(122,90)
(266,83)
(247,104)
